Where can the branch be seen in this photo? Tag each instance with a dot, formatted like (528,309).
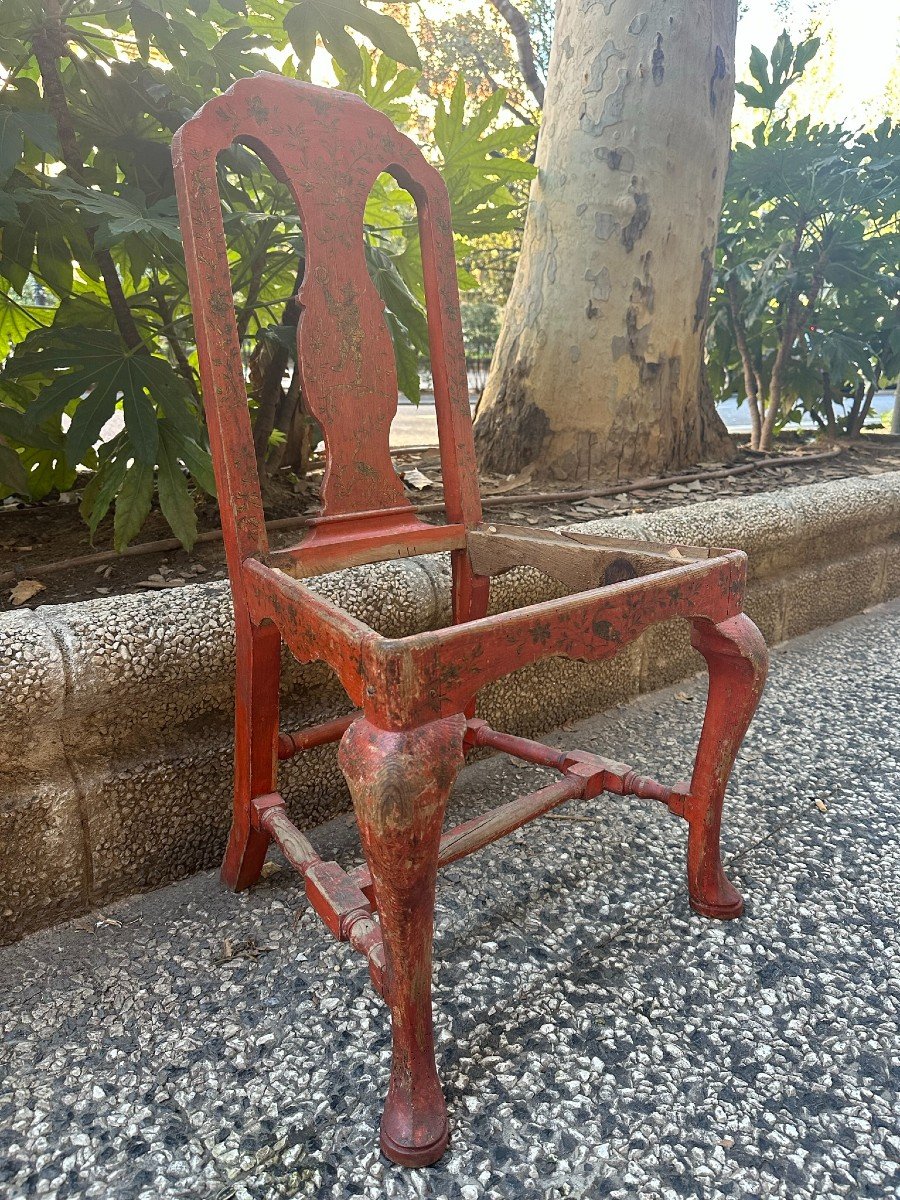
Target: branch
(795,310)
(751,383)
(518,27)
(164,308)
(50,45)
(268,374)
(495,87)
(830,422)
(257,265)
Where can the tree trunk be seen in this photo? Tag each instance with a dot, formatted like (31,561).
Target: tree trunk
(866,408)
(751,379)
(598,368)
(828,405)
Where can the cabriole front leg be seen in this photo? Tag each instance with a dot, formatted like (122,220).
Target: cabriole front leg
(400,782)
(738,661)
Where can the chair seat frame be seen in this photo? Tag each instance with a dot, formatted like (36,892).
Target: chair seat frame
(414,718)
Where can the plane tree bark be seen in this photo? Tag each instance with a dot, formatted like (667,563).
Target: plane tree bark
(598,371)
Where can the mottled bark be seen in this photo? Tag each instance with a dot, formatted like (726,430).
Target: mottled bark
(598,370)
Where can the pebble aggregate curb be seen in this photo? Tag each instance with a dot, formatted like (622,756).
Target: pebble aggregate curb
(596,1038)
(117,739)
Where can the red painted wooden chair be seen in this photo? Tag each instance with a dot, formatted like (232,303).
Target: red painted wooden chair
(401,752)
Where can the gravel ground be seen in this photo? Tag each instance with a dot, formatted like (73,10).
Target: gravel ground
(596,1038)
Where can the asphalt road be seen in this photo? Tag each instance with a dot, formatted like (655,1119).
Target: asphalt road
(596,1038)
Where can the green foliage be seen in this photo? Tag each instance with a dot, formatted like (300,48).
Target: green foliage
(774,78)
(475,41)
(806,300)
(330,20)
(94,315)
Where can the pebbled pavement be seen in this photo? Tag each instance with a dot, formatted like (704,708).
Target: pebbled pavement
(596,1038)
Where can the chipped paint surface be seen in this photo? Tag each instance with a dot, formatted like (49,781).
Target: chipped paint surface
(400,754)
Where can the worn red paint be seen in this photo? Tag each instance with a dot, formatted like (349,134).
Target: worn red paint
(401,752)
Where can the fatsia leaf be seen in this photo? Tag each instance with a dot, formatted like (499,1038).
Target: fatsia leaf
(58,394)
(132,503)
(198,462)
(759,67)
(805,53)
(101,490)
(175,499)
(54,259)
(12,143)
(18,252)
(92,413)
(12,474)
(782,57)
(330,20)
(40,128)
(399,299)
(141,423)
(17,321)
(9,210)
(123,214)
(406,359)
(15,126)
(93,369)
(754,96)
(17,427)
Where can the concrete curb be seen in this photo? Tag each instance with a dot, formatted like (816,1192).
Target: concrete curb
(115,751)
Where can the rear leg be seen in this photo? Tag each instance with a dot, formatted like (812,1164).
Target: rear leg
(255,749)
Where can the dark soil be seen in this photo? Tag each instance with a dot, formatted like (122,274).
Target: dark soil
(53,531)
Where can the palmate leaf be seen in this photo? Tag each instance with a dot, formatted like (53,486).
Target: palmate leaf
(17,125)
(92,369)
(92,413)
(154,30)
(12,474)
(15,427)
(133,503)
(101,489)
(123,214)
(386,88)
(405,318)
(406,360)
(175,499)
(17,252)
(9,210)
(198,462)
(759,66)
(330,21)
(476,165)
(17,321)
(399,299)
(46,470)
(121,478)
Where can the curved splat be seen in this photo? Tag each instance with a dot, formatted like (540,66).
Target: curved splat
(329,147)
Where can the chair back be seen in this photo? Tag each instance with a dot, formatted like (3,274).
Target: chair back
(329,147)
